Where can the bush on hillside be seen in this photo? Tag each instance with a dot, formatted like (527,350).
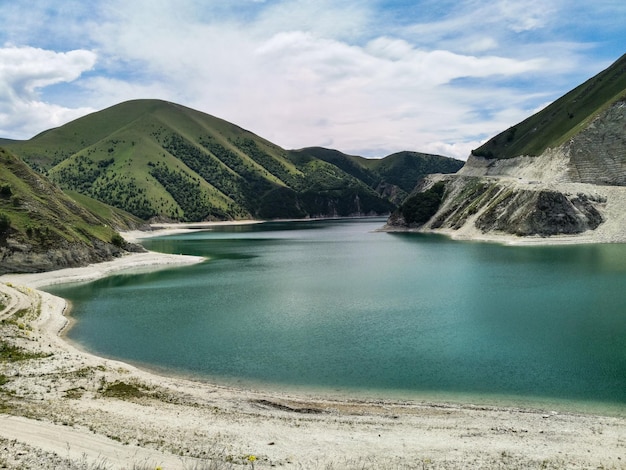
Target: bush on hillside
(118,240)
(5,223)
(420,207)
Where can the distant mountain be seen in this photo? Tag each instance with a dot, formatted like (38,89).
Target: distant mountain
(160,160)
(393,177)
(562,171)
(41,228)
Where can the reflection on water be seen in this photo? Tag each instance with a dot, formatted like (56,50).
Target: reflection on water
(335,304)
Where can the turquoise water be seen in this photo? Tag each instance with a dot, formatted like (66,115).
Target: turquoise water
(337,306)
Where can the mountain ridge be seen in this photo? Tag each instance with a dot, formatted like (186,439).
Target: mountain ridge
(164,161)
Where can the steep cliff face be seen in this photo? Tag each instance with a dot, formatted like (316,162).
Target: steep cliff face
(575,188)
(595,155)
(478,205)
(20,257)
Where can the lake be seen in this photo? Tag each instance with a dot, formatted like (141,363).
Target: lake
(336,306)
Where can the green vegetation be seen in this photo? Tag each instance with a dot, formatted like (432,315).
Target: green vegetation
(420,207)
(116,218)
(187,193)
(275,165)
(406,169)
(156,159)
(5,224)
(118,240)
(5,190)
(10,353)
(36,217)
(123,390)
(562,119)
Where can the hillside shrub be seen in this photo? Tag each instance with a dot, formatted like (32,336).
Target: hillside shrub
(118,240)
(420,207)
(187,194)
(5,223)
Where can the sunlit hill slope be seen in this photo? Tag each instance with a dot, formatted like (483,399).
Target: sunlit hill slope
(42,228)
(160,160)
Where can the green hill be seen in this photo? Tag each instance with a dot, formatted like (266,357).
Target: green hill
(42,228)
(406,169)
(562,119)
(393,177)
(160,160)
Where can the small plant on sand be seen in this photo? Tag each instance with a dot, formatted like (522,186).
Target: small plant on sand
(10,353)
(122,390)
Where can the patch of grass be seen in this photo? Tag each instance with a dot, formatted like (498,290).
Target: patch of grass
(75,393)
(16,321)
(21,313)
(10,353)
(84,372)
(123,390)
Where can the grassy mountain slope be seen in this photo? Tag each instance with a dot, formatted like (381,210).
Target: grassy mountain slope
(393,177)
(406,169)
(42,228)
(158,159)
(161,160)
(562,119)
(351,164)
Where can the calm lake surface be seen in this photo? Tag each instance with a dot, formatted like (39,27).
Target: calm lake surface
(333,305)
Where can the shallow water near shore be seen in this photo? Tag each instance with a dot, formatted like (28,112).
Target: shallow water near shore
(334,305)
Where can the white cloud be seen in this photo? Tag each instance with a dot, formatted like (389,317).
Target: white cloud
(344,20)
(291,76)
(523,16)
(24,71)
(338,73)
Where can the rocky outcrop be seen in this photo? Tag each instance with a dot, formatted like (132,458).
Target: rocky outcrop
(508,207)
(563,191)
(543,213)
(597,155)
(22,258)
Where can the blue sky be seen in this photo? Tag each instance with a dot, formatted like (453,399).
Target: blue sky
(367,77)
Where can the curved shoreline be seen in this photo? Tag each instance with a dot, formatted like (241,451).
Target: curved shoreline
(158,419)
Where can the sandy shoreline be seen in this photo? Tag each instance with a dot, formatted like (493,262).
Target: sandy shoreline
(64,406)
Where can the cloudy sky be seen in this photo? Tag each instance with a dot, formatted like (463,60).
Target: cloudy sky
(367,77)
